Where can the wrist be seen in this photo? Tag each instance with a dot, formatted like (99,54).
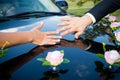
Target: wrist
(87,20)
(29,35)
(91,17)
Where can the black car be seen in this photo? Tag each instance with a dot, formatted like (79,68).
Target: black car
(23,15)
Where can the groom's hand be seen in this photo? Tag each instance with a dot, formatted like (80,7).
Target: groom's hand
(74,24)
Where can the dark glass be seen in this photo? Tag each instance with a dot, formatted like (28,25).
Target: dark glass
(14,7)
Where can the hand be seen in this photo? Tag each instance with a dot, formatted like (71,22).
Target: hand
(43,38)
(74,24)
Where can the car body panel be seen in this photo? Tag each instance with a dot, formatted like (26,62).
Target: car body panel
(50,24)
(25,24)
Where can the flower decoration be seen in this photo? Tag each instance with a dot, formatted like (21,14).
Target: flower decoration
(117,35)
(111,18)
(54,58)
(112,57)
(111,25)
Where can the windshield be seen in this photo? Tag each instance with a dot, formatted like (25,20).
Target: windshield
(13,7)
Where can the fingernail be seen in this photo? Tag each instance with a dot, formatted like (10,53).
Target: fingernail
(76,37)
(58,40)
(54,43)
(60,36)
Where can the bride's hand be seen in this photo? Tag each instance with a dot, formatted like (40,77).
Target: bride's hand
(43,38)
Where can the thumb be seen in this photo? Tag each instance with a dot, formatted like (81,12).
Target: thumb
(39,26)
(77,35)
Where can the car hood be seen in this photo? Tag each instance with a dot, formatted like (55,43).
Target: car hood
(50,24)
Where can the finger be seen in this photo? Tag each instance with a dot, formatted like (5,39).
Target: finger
(48,41)
(63,24)
(63,28)
(55,40)
(52,32)
(66,32)
(54,37)
(51,41)
(77,35)
(39,26)
(65,18)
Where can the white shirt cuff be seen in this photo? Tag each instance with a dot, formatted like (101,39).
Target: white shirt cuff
(92,17)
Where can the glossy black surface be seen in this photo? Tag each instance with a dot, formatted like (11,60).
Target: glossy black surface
(84,64)
(20,62)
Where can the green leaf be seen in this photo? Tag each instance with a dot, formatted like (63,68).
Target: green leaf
(104,44)
(46,63)
(41,59)
(3,52)
(66,60)
(117,64)
(118,60)
(100,55)
(1,55)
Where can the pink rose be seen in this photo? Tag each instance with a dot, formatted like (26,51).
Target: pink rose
(115,24)
(117,35)
(112,18)
(55,58)
(111,56)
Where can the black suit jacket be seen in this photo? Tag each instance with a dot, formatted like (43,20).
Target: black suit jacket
(103,8)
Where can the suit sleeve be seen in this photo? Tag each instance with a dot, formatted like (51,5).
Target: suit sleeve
(103,8)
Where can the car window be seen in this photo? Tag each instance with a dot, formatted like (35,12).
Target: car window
(13,7)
